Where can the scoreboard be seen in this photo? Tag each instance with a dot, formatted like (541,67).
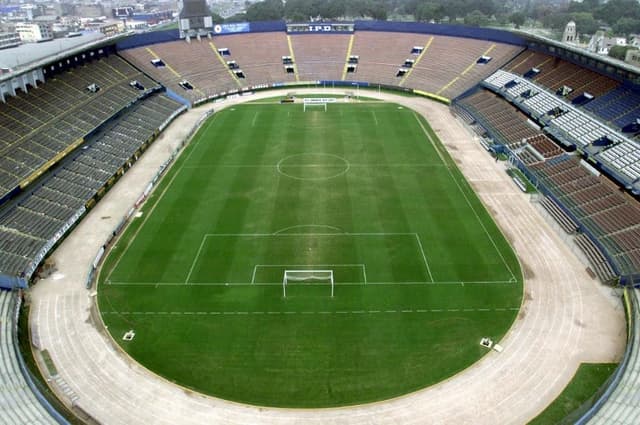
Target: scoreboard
(341,27)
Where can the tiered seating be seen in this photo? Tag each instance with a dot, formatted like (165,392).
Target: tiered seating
(37,126)
(565,222)
(527,60)
(259,55)
(580,127)
(600,265)
(544,146)
(508,124)
(610,215)
(382,53)
(500,78)
(197,62)
(624,157)
(540,103)
(620,106)
(527,156)
(19,404)
(448,67)
(564,121)
(320,56)
(555,73)
(27,227)
(621,408)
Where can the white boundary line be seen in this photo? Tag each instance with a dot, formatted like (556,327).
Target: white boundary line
(426,282)
(466,198)
(387,311)
(195,259)
(424,257)
(251,235)
(353,165)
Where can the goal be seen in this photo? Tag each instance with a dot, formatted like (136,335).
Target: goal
(307,277)
(314,103)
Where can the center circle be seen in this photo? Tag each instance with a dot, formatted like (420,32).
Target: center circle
(313,166)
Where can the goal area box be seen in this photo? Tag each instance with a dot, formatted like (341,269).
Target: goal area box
(354,258)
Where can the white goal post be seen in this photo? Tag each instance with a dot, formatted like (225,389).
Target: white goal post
(306,276)
(309,102)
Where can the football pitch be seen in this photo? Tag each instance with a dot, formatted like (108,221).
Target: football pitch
(364,190)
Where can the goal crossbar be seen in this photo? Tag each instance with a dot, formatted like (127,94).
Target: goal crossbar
(309,102)
(306,276)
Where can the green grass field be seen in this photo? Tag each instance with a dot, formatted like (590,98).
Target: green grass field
(365,190)
(584,385)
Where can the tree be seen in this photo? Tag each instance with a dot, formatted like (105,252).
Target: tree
(356,8)
(377,11)
(620,52)
(429,11)
(238,17)
(332,9)
(614,10)
(585,23)
(217,19)
(455,9)
(627,26)
(556,21)
(268,10)
(476,19)
(517,19)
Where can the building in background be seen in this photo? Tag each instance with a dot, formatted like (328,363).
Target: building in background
(9,39)
(570,35)
(601,44)
(34,32)
(633,57)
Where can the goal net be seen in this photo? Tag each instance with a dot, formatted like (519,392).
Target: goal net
(307,277)
(314,103)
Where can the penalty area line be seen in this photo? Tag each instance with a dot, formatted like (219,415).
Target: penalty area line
(307,312)
(426,282)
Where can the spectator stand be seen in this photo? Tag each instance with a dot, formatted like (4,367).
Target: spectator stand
(569,125)
(573,197)
(32,224)
(21,400)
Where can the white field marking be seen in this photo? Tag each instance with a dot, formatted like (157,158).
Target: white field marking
(504,262)
(304,226)
(424,257)
(245,313)
(251,235)
(280,234)
(315,267)
(253,275)
(195,259)
(356,165)
(253,122)
(346,166)
(193,144)
(375,118)
(456,283)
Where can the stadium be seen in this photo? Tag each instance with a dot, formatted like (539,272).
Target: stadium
(364,222)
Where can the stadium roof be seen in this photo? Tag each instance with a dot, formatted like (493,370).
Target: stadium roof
(28,53)
(583,52)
